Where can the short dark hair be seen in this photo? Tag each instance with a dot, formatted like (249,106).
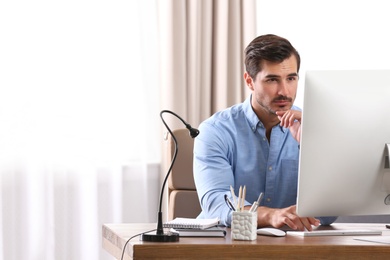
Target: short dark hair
(268,47)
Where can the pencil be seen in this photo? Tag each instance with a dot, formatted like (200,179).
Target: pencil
(243,198)
(239,199)
(233,195)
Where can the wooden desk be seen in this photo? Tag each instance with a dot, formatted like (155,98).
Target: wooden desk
(288,247)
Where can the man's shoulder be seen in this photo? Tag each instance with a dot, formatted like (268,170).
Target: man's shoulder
(228,116)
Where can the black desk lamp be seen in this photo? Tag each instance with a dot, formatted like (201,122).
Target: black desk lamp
(159,235)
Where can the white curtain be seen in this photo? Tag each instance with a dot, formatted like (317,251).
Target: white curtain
(201,66)
(202,43)
(201,48)
(79,139)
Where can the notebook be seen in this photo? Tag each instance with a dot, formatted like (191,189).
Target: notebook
(335,232)
(191,223)
(194,232)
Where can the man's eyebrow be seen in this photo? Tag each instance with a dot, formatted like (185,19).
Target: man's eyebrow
(272,76)
(293,74)
(278,76)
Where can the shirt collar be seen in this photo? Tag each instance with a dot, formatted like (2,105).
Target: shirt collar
(251,117)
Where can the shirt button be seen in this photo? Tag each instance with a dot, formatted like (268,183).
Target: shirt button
(268,199)
(270,168)
(264,139)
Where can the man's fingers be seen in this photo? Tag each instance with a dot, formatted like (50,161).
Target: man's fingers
(306,224)
(287,118)
(290,223)
(297,223)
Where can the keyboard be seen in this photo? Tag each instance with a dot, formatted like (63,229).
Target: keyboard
(335,232)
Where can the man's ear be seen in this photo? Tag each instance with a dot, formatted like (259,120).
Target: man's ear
(249,81)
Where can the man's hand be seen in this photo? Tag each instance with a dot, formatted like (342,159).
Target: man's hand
(291,119)
(286,216)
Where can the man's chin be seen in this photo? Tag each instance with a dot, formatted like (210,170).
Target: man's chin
(283,109)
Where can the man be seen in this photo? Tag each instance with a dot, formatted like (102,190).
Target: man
(256,143)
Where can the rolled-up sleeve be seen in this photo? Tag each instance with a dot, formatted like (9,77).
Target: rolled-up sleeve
(212,173)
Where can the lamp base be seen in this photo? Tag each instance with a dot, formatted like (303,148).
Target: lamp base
(154,237)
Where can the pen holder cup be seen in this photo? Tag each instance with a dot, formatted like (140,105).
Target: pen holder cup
(244,225)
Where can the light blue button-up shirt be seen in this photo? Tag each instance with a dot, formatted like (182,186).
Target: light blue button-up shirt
(232,149)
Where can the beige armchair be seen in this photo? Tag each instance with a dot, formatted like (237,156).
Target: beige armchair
(182,199)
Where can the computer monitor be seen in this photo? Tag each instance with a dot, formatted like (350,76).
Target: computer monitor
(345,139)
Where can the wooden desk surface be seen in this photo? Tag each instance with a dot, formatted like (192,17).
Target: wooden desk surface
(288,247)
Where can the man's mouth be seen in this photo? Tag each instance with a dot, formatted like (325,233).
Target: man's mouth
(282,101)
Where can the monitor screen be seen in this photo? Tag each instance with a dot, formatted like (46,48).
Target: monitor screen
(345,137)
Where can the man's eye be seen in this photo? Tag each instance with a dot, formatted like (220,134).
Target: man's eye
(271,80)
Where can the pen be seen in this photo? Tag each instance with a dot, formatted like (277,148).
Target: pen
(229,203)
(257,203)
(260,198)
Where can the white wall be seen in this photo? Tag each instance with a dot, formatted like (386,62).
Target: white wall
(331,34)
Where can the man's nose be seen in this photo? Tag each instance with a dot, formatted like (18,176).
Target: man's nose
(283,88)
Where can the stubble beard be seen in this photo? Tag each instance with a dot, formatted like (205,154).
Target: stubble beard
(267,107)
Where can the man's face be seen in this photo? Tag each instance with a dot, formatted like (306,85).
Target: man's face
(275,86)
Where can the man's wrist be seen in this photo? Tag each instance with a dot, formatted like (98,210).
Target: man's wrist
(264,216)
